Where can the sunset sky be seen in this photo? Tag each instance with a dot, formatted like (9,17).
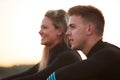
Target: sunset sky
(20,22)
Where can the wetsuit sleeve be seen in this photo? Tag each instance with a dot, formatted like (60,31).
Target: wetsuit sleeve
(32,70)
(52,76)
(61,60)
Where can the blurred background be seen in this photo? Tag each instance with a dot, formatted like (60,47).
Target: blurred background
(20,21)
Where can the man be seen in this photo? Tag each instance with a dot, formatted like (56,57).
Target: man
(85,32)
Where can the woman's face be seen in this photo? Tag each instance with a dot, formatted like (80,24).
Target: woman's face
(50,36)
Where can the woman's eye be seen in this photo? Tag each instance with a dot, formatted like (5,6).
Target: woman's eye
(44,27)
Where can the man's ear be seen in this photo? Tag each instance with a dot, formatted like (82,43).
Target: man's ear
(90,29)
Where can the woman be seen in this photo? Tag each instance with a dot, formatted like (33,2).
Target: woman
(56,53)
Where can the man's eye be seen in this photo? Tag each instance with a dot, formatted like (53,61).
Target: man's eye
(72,26)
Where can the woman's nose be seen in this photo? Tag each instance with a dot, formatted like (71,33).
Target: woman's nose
(40,32)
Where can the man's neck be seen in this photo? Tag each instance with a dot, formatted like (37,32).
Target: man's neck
(90,44)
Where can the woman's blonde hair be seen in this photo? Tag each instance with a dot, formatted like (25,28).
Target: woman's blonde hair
(59,19)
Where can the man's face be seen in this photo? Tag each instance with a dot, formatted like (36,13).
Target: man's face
(77,32)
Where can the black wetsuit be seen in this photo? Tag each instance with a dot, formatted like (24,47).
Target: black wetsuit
(103,63)
(60,56)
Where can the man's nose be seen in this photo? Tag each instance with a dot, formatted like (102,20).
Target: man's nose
(68,32)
